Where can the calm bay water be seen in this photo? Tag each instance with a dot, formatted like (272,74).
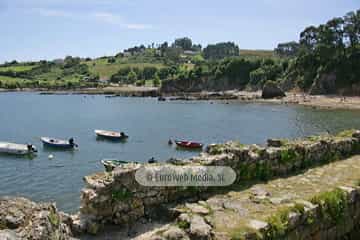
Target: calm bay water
(25,117)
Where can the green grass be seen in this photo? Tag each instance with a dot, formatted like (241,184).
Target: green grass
(332,205)
(121,195)
(12,83)
(257,53)
(54,218)
(57,74)
(105,70)
(346,133)
(10,79)
(20,68)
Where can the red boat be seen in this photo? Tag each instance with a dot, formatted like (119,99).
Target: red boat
(188,144)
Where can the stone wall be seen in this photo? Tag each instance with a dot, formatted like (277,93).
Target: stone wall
(117,198)
(329,215)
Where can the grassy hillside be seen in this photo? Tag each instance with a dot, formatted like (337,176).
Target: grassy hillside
(105,70)
(19,68)
(257,53)
(14,82)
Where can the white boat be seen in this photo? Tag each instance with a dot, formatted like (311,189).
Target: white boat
(18,149)
(58,143)
(111,134)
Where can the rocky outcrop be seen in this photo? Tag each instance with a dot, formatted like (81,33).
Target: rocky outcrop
(272,90)
(324,84)
(182,85)
(21,218)
(117,198)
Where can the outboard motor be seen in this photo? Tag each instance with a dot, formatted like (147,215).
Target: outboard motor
(31,148)
(72,143)
(123,135)
(152,160)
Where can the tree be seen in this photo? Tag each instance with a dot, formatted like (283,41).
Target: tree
(163,73)
(352,28)
(121,75)
(149,72)
(287,49)
(163,48)
(197,59)
(173,54)
(71,61)
(131,77)
(309,37)
(111,60)
(221,50)
(156,81)
(184,43)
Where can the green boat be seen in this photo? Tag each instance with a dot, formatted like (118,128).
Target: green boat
(110,164)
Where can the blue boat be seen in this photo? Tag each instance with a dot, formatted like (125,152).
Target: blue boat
(58,143)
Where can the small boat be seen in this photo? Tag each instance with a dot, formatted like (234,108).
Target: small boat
(58,143)
(110,164)
(111,134)
(17,149)
(189,144)
(161,99)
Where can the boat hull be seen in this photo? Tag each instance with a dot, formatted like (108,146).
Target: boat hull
(189,144)
(112,164)
(110,135)
(16,149)
(56,143)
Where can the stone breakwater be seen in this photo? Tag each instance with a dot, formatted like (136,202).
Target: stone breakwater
(321,203)
(117,198)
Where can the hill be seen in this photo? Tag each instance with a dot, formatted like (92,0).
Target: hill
(257,53)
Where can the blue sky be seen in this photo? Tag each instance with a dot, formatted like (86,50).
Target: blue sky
(48,29)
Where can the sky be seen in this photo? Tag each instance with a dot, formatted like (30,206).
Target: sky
(49,29)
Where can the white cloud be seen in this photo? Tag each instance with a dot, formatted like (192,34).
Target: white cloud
(52,12)
(104,17)
(118,20)
(108,18)
(138,26)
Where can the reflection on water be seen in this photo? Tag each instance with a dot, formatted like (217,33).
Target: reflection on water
(25,117)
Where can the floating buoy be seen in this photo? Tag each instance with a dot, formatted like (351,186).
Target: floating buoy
(51,156)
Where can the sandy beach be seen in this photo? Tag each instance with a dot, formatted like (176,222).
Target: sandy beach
(318,101)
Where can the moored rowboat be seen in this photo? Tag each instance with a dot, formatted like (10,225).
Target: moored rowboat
(17,149)
(189,144)
(59,143)
(110,164)
(111,134)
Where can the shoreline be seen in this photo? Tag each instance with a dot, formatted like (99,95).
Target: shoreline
(303,99)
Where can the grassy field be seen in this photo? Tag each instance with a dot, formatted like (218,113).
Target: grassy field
(105,70)
(11,79)
(16,68)
(257,53)
(12,82)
